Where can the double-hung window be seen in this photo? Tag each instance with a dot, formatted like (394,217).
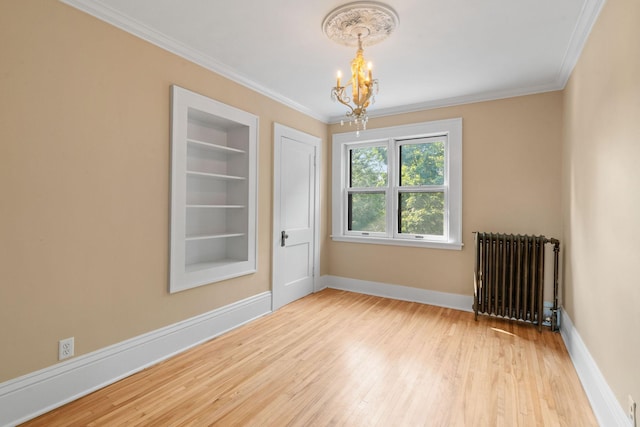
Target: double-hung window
(399,185)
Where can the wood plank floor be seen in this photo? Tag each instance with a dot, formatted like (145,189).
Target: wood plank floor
(340,358)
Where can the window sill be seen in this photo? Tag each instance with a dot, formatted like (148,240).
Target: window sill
(457,246)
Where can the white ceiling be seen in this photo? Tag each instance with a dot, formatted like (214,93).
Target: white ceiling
(444,52)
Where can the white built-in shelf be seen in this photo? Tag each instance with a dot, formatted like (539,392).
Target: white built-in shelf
(204,266)
(216,206)
(210,146)
(213,236)
(214,175)
(213,191)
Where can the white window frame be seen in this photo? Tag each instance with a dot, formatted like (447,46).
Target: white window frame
(393,137)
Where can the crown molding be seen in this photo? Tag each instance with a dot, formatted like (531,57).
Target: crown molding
(587,19)
(111,16)
(458,100)
(588,16)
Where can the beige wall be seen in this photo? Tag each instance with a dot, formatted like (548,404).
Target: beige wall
(601,196)
(511,175)
(84,179)
(84,184)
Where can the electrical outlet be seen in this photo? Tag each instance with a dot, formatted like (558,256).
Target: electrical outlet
(65,348)
(632,412)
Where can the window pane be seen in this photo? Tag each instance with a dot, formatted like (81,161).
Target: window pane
(422,164)
(367,212)
(421,213)
(368,167)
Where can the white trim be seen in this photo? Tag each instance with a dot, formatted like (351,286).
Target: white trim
(185,106)
(398,242)
(588,16)
(452,128)
(457,100)
(33,394)
(587,19)
(399,292)
(113,17)
(322,284)
(605,406)
(603,401)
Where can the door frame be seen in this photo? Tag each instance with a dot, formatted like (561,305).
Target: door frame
(280,131)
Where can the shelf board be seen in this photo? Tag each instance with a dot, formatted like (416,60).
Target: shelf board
(215,176)
(210,146)
(217,206)
(212,236)
(206,265)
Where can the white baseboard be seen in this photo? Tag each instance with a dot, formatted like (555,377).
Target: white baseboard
(604,403)
(319,283)
(28,396)
(404,293)
(33,394)
(605,406)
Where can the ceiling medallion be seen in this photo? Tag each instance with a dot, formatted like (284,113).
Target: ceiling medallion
(358,24)
(373,21)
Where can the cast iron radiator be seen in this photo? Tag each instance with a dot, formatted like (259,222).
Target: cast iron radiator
(509,277)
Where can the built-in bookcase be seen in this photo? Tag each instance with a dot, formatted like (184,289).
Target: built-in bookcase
(213,191)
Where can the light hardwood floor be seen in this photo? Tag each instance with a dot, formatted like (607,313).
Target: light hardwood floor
(340,358)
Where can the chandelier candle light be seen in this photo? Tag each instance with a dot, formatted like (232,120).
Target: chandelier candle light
(357,24)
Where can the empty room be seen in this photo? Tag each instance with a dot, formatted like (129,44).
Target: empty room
(271,213)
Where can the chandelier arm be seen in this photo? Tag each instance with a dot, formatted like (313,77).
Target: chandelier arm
(342,101)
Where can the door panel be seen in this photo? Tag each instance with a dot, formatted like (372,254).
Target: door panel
(294,215)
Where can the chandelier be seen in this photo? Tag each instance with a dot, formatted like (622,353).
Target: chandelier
(357,24)
(362,88)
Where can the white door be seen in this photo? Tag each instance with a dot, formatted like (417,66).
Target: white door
(295,214)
